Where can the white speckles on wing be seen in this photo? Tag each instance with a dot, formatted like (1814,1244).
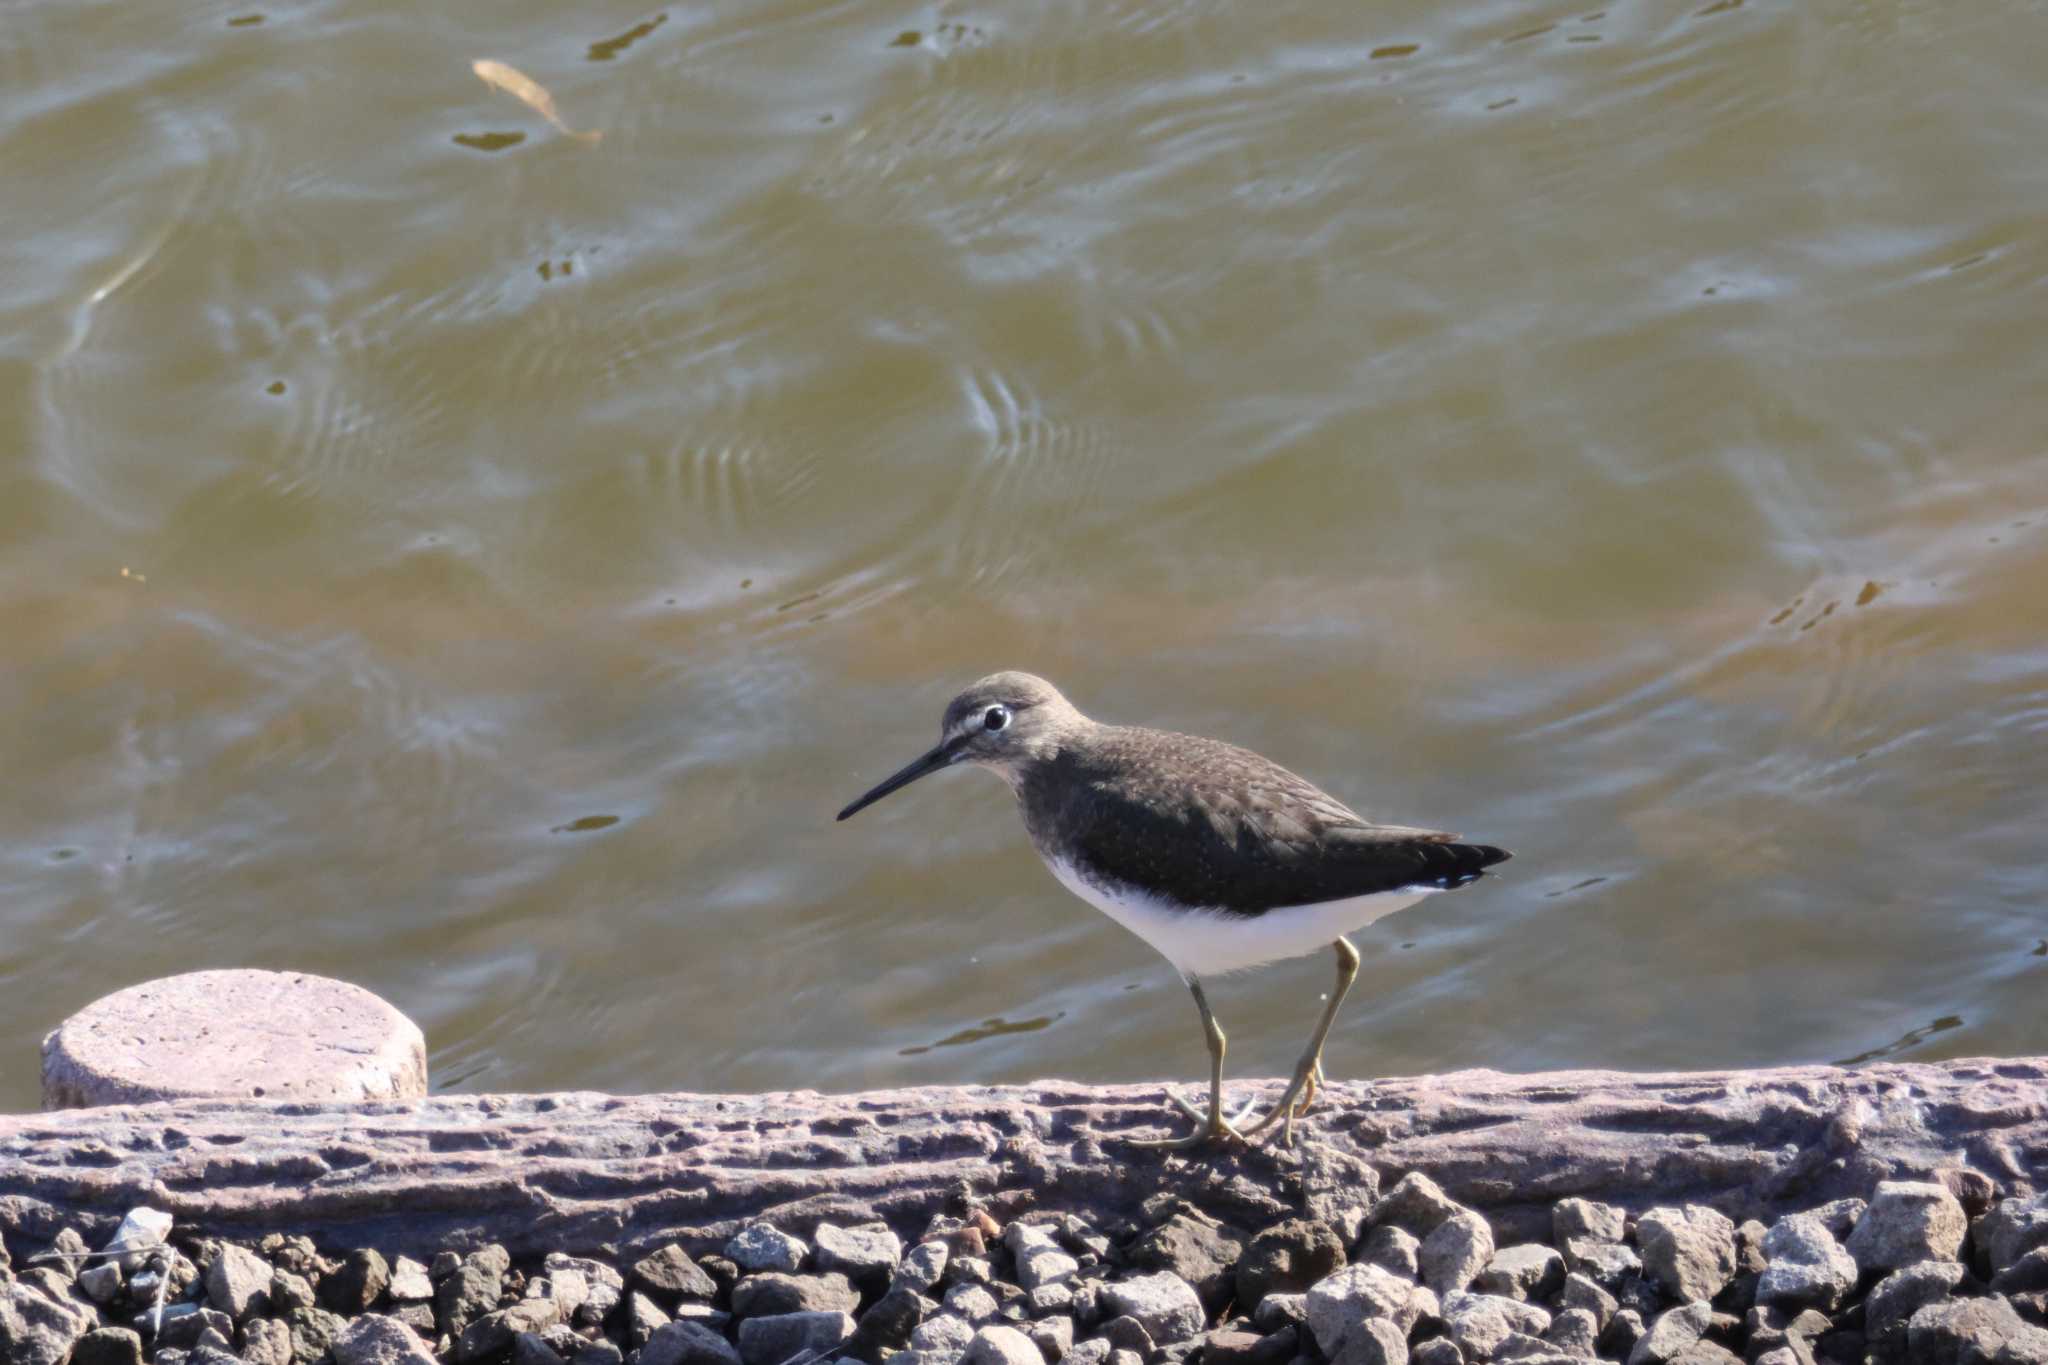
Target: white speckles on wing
(1203,943)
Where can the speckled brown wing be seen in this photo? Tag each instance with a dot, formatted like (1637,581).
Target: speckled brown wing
(1209,824)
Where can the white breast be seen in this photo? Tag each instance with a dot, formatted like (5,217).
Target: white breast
(1210,942)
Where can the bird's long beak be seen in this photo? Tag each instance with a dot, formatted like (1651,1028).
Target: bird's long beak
(940,756)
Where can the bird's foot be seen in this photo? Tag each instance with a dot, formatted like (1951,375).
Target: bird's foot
(1294,1103)
(1210,1126)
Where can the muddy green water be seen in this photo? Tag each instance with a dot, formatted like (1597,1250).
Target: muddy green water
(443,554)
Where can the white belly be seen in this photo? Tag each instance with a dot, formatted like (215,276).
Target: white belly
(1208,943)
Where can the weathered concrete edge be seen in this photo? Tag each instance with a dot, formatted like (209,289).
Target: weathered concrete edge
(609,1175)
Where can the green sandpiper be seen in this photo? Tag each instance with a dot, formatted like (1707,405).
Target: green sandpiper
(1217,857)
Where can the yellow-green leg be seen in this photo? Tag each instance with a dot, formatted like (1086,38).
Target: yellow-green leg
(1211,1125)
(1308,1072)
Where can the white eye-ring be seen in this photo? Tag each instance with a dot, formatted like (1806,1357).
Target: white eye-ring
(995,718)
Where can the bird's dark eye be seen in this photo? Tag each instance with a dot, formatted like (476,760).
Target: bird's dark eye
(996,718)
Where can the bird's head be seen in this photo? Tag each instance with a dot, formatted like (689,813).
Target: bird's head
(1002,722)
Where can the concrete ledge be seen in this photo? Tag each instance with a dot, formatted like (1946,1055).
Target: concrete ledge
(234,1034)
(602,1175)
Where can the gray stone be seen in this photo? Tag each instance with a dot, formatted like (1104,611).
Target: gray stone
(471,1291)
(1574,1331)
(531,1348)
(1038,1256)
(490,1336)
(760,1247)
(644,1317)
(773,1293)
(1129,1337)
(1235,1346)
(1481,1323)
(2027,1347)
(971,1301)
(409,1281)
(1901,1294)
(357,1283)
(998,1345)
(1806,1265)
(947,1332)
(968,1270)
(599,1352)
(1053,1336)
(1622,1333)
(887,1324)
(238,1282)
(313,1332)
(1093,1351)
(688,1343)
(1586,1218)
(376,1340)
(1338,1308)
(1339,1188)
(108,1346)
(867,1255)
(1580,1291)
(913,1356)
(569,1289)
(1280,1310)
(773,1340)
(1769,1328)
(1199,1250)
(1528,1271)
(1908,1221)
(2011,1229)
(266,1341)
(1689,1252)
(1674,1331)
(1117,1357)
(1455,1251)
(1287,1258)
(102,1283)
(1963,1331)
(1706,1353)
(1376,1342)
(2027,1275)
(289,1290)
(1436,1351)
(1416,1203)
(921,1267)
(1841,1216)
(1782,1355)
(1165,1303)
(185,1327)
(671,1272)
(1605,1263)
(1394,1247)
(1057,1297)
(67,1250)
(1528,1350)
(705,1315)
(605,1287)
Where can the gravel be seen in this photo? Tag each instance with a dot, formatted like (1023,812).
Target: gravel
(1419,1279)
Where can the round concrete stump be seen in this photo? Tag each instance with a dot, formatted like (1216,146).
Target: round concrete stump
(238,1034)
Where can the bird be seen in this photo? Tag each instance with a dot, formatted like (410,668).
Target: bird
(1217,857)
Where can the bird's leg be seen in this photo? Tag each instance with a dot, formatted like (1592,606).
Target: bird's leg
(1308,1071)
(1211,1125)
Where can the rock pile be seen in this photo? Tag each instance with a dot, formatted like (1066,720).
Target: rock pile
(1919,1272)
